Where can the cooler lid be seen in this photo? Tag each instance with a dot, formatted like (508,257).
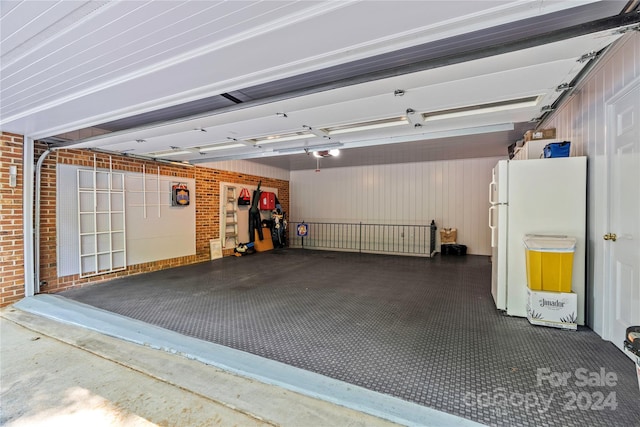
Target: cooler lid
(543,243)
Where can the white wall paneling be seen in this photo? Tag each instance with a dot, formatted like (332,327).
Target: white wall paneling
(249,168)
(582,120)
(155,230)
(453,193)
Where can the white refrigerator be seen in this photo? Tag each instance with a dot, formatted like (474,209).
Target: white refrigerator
(538,196)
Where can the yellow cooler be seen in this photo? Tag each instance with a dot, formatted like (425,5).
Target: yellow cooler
(549,262)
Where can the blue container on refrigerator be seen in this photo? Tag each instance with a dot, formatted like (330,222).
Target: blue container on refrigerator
(557,149)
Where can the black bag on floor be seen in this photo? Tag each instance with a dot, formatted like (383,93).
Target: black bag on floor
(453,249)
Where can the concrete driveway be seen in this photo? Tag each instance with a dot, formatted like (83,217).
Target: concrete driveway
(59,374)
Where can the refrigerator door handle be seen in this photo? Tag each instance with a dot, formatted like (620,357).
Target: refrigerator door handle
(492,185)
(492,226)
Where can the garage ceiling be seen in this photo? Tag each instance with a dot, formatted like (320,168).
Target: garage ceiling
(272,81)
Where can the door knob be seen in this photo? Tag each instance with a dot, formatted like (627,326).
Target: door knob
(610,236)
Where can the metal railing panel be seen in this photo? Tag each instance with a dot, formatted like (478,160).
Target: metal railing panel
(397,239)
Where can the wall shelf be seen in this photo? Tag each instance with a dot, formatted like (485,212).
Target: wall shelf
(101,222)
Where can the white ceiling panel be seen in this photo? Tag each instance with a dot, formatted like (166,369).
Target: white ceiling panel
(128,40)
(508,76)
(244,43)
(68,67)
(23,21)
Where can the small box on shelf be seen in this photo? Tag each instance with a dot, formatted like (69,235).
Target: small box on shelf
(532,135)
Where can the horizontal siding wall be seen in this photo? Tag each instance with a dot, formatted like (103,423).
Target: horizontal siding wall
(582,120)
(250,168)
(453,193)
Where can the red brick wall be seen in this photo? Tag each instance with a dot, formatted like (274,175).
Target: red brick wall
(211,179)
(207,214)
(11,222)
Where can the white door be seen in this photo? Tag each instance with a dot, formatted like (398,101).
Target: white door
(623,249)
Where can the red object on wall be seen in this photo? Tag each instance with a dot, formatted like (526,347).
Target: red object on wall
(267,201)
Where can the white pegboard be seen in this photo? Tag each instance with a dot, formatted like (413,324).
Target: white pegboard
(167,232)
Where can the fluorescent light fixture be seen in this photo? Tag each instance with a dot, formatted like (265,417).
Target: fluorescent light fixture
(220,147)
(373,124)
(171,153)
(425,135)
(481,109)
(175,151)
(335,152)
(308,148)
(281,138)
